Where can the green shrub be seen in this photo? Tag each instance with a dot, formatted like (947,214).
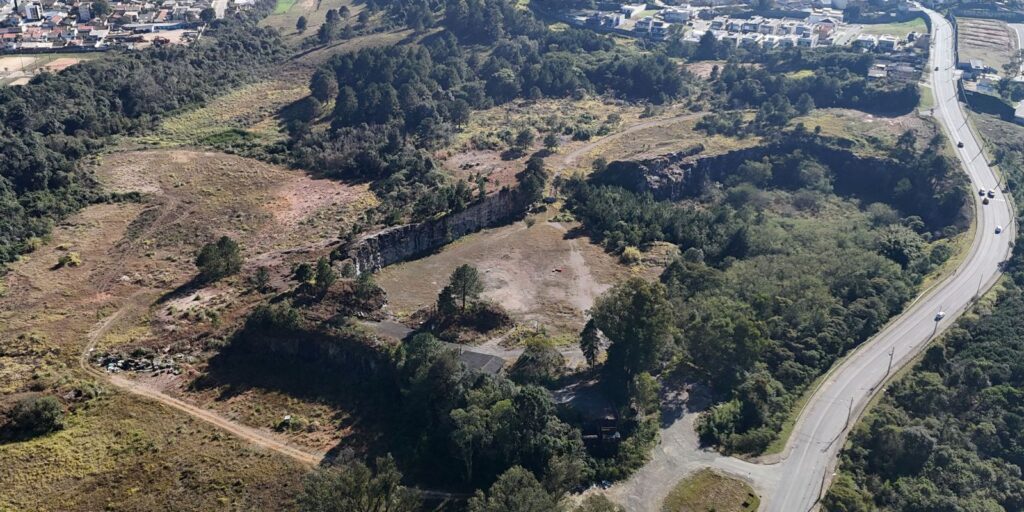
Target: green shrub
(69,259)
(34,416)
(631,256)
(218,260)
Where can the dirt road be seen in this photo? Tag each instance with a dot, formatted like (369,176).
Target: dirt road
(571,159)
(249,434)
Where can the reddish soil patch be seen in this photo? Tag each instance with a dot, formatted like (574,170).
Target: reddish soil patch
(499,173)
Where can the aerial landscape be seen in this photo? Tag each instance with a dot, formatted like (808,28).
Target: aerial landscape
(511,255)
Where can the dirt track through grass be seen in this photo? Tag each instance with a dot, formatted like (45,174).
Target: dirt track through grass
(247,433)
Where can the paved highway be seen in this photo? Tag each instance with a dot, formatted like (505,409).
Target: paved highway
(795,483)
(821,428)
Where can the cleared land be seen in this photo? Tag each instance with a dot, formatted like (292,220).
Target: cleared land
(540,274)
(896,29)
(122,452)
(647,138)
(708,491)
(19,69)
(117,452)
(287,12)
(247,116)
(868,132)
(990,41)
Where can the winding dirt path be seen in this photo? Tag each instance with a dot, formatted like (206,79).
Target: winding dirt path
(570,159)
(249,434)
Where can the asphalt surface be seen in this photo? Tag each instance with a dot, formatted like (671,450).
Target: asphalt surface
(796,482)
(821,428)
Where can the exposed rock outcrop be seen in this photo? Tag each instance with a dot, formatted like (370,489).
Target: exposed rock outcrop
(399,243)
(869,178)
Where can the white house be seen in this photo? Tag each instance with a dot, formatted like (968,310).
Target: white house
(866,41)
(676,15)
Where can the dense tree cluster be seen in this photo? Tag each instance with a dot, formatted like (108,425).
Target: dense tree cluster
(779,94)
(47,126)
(219,259)
(471,427)
(351,486)
(32,416)
(947,436)
(761,303)
(452,425)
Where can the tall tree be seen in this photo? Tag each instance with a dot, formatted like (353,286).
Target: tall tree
(301,24)
(516,490)
(637,318)
(723,338)
(325,275)
(323,85)
(465,284)
(590,342)
(707,47)
(220,259)
(354,487)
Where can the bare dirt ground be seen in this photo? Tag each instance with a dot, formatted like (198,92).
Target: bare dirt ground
(61,63)
(867,131)
(990,41)
(132,254)
(644,139)
(150,388)
(489,164)
(112,445)
(540,274)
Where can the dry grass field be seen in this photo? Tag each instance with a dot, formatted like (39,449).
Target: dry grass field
(866,131)
(120,451)
(990,41)
(708,491)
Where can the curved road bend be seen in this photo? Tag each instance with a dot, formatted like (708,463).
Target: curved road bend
(821,428)
(795,483)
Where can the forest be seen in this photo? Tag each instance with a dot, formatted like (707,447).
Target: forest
(387,108)
(449,424)
(947,435)
(764,302)
(47,127)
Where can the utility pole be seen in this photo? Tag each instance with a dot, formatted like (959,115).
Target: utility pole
(889,369)
(849,414)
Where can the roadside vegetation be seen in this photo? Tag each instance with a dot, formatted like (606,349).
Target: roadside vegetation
(839,257)
(942,436)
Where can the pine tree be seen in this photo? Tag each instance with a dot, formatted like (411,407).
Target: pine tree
(590,342)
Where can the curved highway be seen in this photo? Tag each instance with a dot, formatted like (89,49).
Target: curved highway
(823,424)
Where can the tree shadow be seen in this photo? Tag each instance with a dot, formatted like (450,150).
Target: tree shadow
(185,288)
(233,373)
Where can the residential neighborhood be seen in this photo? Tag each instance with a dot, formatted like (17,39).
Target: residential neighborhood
(808,27)
(44,26)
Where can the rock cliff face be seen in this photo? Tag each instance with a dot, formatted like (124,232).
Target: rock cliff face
(399,243)
(939,200)
(685,174)
(676,175)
